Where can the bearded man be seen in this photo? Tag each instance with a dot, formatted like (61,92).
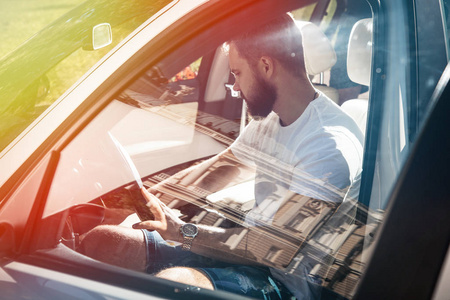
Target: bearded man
(299,141)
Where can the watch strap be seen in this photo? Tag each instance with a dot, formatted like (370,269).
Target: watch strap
(187,243)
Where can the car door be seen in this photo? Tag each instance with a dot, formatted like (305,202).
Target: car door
(169,112)
(158,105)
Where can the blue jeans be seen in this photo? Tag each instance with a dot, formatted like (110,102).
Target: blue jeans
(251,281)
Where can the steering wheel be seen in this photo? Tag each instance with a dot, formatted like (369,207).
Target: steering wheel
(80,219)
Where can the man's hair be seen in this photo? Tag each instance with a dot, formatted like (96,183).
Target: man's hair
(279,39)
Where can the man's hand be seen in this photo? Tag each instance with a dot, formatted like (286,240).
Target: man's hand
(166,222)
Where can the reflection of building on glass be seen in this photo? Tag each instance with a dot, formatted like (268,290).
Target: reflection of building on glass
(327,237)
(218,178)
(222,194)
(296,222)
(217,127)
(347,268)
(273,254)
(334,252)
(153,90)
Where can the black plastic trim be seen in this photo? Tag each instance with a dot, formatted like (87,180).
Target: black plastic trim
(376,100)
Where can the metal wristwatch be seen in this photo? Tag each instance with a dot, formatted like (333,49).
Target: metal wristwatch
(189,232)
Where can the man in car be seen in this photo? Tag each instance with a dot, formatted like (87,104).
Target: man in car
(299,140)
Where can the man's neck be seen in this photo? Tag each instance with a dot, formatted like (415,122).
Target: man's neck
(293,98)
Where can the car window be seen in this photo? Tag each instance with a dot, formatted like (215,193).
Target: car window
(177,115)
(158,121)
(178,127)
(60,54)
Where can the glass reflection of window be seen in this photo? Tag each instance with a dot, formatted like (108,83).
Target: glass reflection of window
(272,254)
(296,222)
(234,240)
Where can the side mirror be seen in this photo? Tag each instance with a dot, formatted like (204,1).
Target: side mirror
(99,37)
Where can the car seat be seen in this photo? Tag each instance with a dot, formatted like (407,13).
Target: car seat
(359,64)
(319,56)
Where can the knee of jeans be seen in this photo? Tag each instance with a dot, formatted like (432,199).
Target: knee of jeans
(109,237)
(98,237)
(188,276)
(115,245)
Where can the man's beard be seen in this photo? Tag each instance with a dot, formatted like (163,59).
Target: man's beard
(261,98)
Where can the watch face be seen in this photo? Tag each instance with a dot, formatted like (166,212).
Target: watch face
(190,229)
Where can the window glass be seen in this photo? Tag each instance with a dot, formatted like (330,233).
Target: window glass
(39,15)
(282,196)
(157,121)
(445,7)
(38,72)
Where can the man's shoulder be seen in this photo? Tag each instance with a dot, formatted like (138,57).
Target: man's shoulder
(335,120)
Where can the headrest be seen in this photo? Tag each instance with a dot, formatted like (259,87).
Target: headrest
(318,51)
(359,56)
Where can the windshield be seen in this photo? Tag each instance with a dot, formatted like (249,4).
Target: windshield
(39,71)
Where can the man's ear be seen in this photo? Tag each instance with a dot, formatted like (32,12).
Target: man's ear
(267,66)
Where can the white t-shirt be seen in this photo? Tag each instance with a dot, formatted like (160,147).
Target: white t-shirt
(319,155)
